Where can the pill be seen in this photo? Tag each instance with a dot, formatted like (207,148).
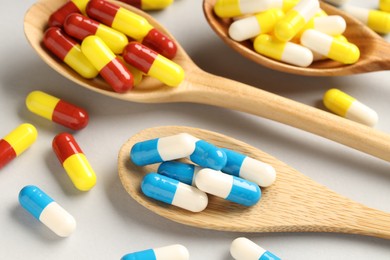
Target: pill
(377,20)
(346,106)
(252,26)
(244,249)
(337,2)
(47,211)
(148,5)
(287,52)
(173,192)
(68,50)
(331,47)
(74,161)
(57,110)
(79,27)
(331,24)
(295,19)
(183,172)
(178,146)
(245,167)
(153,64)
(73,6)
(16,142)
(384,5)
(112,70)
(133,25)
(228,187)
(172,252)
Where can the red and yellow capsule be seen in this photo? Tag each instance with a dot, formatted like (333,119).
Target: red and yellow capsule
(107,63)
(57,110)
(80,26)
(17,142)
(149,4)
(153,64)
(68,50)
(131,24)
(74,161)
(73,6)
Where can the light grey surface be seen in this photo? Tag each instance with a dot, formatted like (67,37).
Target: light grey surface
(111,223)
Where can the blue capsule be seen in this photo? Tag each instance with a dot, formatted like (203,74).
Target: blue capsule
(177,252)
(183,172)
(243,248)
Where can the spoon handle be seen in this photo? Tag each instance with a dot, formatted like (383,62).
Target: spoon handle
(210,89)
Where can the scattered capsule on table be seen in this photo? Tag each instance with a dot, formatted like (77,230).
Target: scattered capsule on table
(148,5)
(69,51)
(47,211)
(172,252)
(249,27)
(178,146)
(57,110)
(331,47)
(74,161)
(244,249)
(80,26)
(295,19)
(346,106)
(183,172)
(228,187)
(245,167)
(112,70)
(16,142)
(73,6)
(287,52)
(173,192)
(384,5)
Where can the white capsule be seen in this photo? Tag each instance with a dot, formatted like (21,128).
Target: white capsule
(332,24)
(244,249)
(173,252)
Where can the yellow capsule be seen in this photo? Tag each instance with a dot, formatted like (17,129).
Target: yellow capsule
(384,5)
(346,106)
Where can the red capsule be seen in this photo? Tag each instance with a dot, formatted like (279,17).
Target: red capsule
(161,43)
(73,6)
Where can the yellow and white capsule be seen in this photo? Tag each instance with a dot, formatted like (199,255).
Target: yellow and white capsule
(317,56)
(332,25)
(346,106)
(331,47)
(384,5)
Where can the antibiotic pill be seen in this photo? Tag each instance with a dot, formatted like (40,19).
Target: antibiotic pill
(183,172)
(57,110)
(112,70)
(346,106)
(16,142)
(331,47)
(47,211)
(228,187)
(384,5)
(153,64)
(173,192)
(79,27)
(74,161)
(68,50)
(245,249)
(148,5)
(73,6)
(248,168)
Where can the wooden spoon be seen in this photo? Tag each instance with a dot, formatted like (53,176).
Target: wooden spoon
(294,203)
(202,87)
(374,50)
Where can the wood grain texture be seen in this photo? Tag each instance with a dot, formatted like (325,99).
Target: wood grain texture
(202,87)
(294,203)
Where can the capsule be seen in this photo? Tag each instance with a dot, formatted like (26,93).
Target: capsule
(245,249)
(133,25)
(346,106)
(331,47)
(333,25)
(148,5)
(57,110)
(73,6)
(248,168)
(183,172)
(80,26)
(173,192)
(74,161)
(252,26)
(384,5)
(153,64)
(69,51)
(175,147)
(112,70)
(295,19)
(16,142)
(228,187)
(288,52)
(173,252)
(47,211)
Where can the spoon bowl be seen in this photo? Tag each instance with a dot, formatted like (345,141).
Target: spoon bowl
(294,203)
(374,50)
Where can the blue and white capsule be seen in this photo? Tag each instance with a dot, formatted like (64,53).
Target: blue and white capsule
(47,211)
(176,252)
(171,191)
(228,187)
(176,147)
(183,172)
(248,168)
(245,249)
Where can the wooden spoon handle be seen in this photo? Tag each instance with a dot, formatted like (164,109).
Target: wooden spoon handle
(209,89)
